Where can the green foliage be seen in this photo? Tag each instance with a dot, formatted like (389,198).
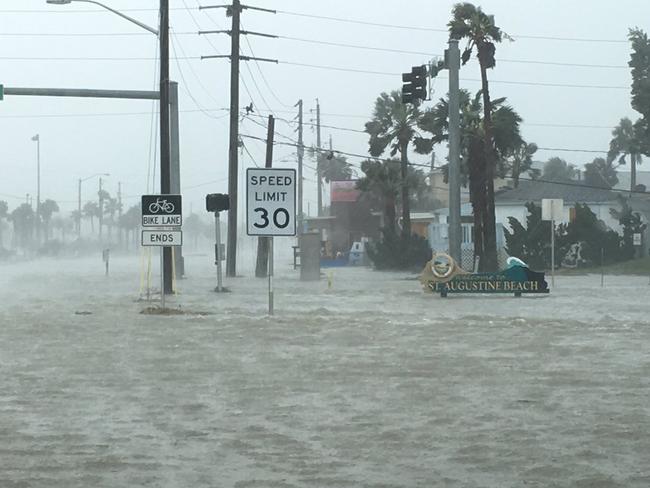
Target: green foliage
(627,145)
(23,219)
(394,252)
(532,243)
(471,23)
(594,235)
(333,167)
(382,183)
(631,223)
(600,173)
(394,124)
(511,150)
(131,219)
(558,170)
(640,64)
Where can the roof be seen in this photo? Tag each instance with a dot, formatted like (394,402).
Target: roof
(422,216)
(625,178)
(570,192)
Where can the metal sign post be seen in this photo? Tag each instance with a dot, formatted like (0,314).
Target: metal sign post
(270,275)
(217,238)
(162,279)
(552,209)
(553,253)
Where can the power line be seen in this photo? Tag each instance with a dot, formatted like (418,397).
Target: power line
(259,68)
(508,82)
(559,149)
(428,166)
(86,58)
(186,86)
(422,53)
(104,114)
(430,29)
(84,34)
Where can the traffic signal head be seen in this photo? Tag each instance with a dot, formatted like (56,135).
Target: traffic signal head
(415,85)
(217,202)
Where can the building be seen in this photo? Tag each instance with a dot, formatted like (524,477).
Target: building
(511,202)
(350,219)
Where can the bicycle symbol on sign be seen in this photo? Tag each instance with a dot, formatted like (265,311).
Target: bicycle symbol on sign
(161,206)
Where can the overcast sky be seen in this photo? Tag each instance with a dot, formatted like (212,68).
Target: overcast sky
(81,137)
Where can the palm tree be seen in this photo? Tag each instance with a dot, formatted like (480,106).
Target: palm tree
(23,219)
(90,211)
(521,161)
(333,167)
(111,207)
(381,184)
(48,207)
(600,173)
(394,123)
(130,221)
(626,142)
(4,213)
(471,23)
(507,140)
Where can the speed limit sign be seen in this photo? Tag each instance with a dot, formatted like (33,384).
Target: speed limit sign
(271,202)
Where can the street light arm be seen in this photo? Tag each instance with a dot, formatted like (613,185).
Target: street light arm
(124,16)
(93,176)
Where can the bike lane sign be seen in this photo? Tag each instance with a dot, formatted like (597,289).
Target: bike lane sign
(162,211)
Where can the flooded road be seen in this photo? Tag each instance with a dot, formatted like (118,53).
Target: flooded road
(369,383)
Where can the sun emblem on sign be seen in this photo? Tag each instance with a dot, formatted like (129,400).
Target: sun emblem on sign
(442,265)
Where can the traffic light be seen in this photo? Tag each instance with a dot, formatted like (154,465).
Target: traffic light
(415,85)
(217,202)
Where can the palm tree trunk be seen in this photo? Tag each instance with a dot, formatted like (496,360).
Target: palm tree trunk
(477,193)
(633,158)
(489,259)
(389,213)
(406,208)
(515,172)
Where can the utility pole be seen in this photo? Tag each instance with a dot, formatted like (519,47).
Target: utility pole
(301,154)
(79,210)
(263,266)
(119,209)
(454,152)
(233,146)
(165,151)
(100,194)
(318,159)
(37,139)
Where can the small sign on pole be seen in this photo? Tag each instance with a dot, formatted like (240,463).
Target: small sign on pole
(162,217)
(636,239)
(162,211)
(271,202)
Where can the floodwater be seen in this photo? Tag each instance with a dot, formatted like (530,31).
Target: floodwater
(367,383)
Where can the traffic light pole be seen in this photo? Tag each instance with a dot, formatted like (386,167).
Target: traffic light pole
(301,153)
(318,158)
(165,145)
(454,152)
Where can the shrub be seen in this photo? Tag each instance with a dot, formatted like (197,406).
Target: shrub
(393,251)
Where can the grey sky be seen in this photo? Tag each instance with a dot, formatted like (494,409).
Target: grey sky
(80,145)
